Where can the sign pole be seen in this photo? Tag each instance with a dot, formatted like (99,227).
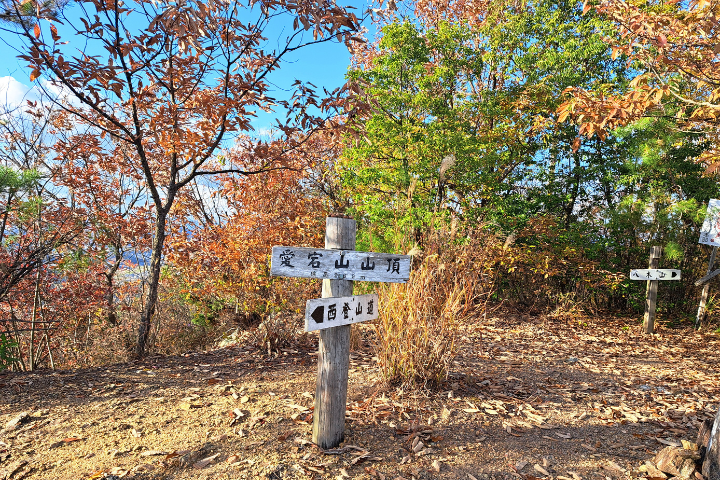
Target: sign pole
(338,265)
(651,293)
(702,311)
(334,349)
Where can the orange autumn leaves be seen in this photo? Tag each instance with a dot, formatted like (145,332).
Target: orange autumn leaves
(674,49)
(225,257)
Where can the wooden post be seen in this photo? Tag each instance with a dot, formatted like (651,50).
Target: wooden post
(651,293)
(702,311)
(334,349)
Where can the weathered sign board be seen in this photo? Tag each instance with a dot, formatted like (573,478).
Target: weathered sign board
(710,231)
(339,264)
(330,312)
(709,235)
(655,274)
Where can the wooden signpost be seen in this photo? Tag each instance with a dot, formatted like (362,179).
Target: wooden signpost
(705,281)
(337,265)
(653,275)
(333,312)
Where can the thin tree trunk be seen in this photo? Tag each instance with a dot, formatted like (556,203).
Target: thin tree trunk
(50,355)
(110,285)
(36,303)
(155,264)
(20,362)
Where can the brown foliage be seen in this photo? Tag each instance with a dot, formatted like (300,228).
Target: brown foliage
(174,81)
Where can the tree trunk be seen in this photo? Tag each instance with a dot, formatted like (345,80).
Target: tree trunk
(33,323)
(155,266)
(111,313)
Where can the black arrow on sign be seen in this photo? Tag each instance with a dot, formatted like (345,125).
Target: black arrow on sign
(318,314)
(674,274)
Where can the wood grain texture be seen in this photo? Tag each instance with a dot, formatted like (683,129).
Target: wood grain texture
(334,349)
(707,278)
(651,293)
(341,264)
(702,308)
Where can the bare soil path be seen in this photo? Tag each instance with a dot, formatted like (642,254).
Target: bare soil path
(527,398)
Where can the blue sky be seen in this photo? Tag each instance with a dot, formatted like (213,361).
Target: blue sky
(323,65)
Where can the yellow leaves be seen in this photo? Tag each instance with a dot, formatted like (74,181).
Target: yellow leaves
(658,95)
(563,112)
(637,81)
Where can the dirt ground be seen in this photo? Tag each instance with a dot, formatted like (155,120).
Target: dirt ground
(527,398)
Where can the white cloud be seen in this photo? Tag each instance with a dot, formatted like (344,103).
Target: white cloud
(215,203)
(59,92)
(14,93)
(265,133)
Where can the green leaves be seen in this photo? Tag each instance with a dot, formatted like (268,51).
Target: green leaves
(12,180)
(7,345)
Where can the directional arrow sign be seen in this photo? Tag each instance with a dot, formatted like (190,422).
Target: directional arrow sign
(323,313)
(339,264)
(654,274)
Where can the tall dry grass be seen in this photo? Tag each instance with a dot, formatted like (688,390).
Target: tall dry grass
(419,322)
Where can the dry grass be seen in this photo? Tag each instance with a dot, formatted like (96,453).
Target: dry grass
(419,321)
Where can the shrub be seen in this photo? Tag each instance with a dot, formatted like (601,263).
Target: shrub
(419,321)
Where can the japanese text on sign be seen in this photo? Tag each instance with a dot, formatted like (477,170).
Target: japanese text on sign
(339,264)
(330,312)
(655,274)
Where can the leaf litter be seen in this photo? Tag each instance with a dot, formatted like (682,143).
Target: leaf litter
(527,398)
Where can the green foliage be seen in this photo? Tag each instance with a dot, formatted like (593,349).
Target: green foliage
(396,170)
(460,126)
(77,260)
(206,309)
(12,180)
(462,121)
(7,345)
